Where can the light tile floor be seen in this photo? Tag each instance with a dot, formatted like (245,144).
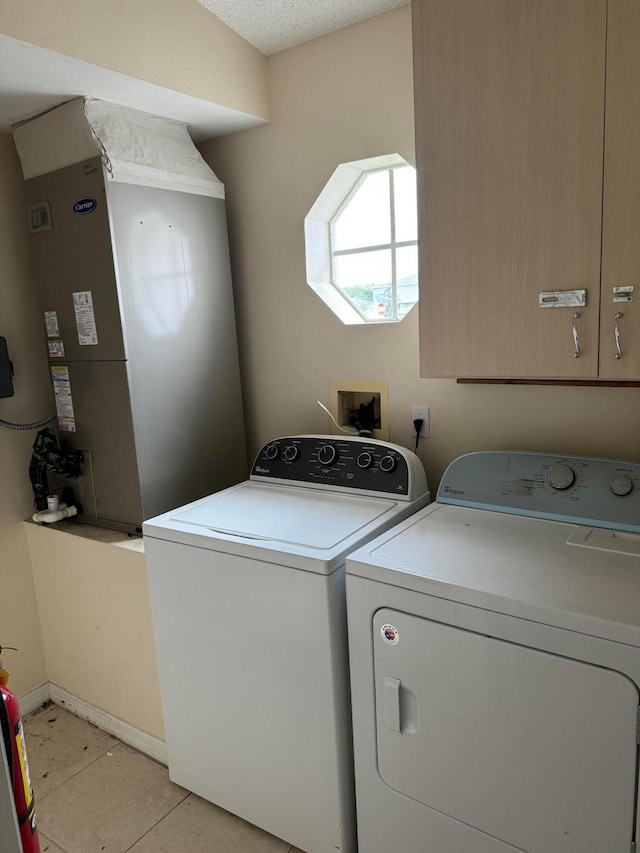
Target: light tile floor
(97,795)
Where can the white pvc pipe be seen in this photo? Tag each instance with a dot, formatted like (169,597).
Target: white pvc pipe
(46,517)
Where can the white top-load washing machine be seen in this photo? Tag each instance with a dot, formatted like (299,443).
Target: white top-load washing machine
(248,604)
(495,662)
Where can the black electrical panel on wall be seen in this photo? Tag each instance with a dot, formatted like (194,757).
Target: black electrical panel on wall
(6,371)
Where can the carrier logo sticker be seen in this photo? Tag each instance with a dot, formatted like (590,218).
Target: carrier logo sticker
(85,205)
(389,634)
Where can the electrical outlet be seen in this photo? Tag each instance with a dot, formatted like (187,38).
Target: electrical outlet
(420,412)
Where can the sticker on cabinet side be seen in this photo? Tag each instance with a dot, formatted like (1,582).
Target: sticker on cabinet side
(51,320)
(64,401)
(85,318)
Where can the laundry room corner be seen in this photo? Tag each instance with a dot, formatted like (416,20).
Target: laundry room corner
(93,600)
(19,622)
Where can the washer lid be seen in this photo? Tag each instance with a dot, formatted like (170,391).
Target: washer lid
(299,527)
(282,514)
(567,575)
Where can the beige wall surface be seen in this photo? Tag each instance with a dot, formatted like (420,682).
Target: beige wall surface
(96,623)
(173,43)
(342,97)
(19,324)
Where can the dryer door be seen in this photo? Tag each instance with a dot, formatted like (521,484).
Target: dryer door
(532,748)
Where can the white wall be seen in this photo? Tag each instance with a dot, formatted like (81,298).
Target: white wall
(343,97)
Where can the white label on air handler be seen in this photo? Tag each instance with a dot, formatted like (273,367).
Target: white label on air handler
(64,402)
(85,318)
(51,319)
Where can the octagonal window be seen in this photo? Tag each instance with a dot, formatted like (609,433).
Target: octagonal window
(361,241)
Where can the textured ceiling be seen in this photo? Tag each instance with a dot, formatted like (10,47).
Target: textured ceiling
(273,25)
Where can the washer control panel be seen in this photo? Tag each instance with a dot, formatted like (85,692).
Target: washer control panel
(599,492)
(342,463)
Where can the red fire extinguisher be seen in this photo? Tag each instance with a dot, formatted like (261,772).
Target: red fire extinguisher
(15,749)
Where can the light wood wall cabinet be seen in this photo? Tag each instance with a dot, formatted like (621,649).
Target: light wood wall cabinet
(519,103)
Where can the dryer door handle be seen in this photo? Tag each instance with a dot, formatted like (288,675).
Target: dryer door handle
(392,703)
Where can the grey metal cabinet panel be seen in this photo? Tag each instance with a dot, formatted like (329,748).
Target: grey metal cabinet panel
(109,488)
(174,277)
(74,256)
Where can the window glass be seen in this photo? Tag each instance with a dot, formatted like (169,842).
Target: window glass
(406,204)
(365,219)
(365,277)
(406,278)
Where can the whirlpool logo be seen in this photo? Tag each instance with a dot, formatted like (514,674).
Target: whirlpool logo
(85,205)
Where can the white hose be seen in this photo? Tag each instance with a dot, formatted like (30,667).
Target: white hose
(47,517)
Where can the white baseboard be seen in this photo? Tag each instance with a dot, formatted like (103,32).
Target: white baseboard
(32,700)
(144,742)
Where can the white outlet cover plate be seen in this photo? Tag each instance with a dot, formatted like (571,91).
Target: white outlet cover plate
(420,412)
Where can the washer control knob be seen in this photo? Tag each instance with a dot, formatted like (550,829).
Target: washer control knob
(291,452)
(561,477)
(387,464)
(364,459)
(272,451)
(621,486)
(327,454)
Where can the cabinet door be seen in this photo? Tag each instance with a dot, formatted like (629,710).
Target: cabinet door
(621,207)
(509,147)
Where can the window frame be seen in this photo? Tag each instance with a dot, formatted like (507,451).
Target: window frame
(320,252)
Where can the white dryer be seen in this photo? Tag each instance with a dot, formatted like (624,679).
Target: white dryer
(248,604)
(495,662)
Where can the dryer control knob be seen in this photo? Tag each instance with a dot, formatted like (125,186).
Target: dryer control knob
(364,459)
(272,451)
(561,477)
(327,454)
(387,464)
(291,452)
(621,486)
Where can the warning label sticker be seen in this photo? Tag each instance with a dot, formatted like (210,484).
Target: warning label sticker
(56,349)
(64,401)
(85,318)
